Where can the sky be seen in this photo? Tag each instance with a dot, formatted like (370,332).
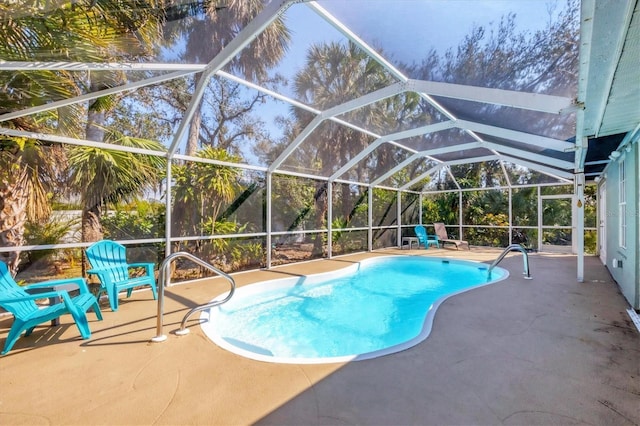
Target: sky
(407,29)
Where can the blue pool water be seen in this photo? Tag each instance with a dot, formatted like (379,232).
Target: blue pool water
(372,308)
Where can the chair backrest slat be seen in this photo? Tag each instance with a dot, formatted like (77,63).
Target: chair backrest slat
(421,233)
(441,230)
(9,289)
(109,255)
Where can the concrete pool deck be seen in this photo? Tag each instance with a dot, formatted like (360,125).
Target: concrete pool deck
(546,351)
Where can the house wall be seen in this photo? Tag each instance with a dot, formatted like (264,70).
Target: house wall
(627,274)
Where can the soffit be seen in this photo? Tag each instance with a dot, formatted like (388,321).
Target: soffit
(611,94)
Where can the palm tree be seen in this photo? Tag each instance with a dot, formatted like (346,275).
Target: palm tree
(104,176)
(334,74)
(132,30)
(28,177)
(29,169)
(201,190)
(207,30)
(81,31)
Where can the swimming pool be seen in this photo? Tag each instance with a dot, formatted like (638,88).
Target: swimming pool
(372,308)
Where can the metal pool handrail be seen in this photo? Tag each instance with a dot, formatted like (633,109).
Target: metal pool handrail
(525,259)
(164,280)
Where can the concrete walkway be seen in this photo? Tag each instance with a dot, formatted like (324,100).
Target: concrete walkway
(546,351)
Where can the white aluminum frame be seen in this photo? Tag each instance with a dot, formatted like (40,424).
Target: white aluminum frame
(558,169)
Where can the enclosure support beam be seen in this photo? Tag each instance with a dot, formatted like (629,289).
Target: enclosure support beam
(526,138)
(452,148)
(79,142)
(367,99)
(524,100)
(539,219)
(370,219)
(510,217)
(427,155)
(167,210)
(364,100)
(579,211)
(399,218)
(329,219)
(378,58)
(460,219)
(296,142)
(389,138)
(558,174)
(448,163)
(506,175)
(400,166)
(543,159)
(93,95)
(269,242)
(453,178)
(322,12)
(424,175)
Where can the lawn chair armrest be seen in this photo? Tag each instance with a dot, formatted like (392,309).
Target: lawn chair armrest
(148,266)
(103,274)
(46,295)
(99,272)
(79,282)
(141,265)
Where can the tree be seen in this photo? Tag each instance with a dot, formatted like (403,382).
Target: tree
(207,33)
(30,169)
(103,176)
(336,73)
(223,120)
(201,190)
(28,176)
(226,116)
(503,58)
(84,31)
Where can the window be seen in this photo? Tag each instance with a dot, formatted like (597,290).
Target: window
(622,205)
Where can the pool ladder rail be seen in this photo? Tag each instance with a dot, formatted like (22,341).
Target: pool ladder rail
(163,282)
(525,259)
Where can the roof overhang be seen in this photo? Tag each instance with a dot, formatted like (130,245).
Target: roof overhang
(609,79)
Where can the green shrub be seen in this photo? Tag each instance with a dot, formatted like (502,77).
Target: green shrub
(55,231)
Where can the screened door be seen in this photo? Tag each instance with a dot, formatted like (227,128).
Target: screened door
(556,221)
(602,224)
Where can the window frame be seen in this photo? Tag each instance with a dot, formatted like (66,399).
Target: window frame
(622,203)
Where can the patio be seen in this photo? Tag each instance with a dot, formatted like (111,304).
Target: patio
(546,351)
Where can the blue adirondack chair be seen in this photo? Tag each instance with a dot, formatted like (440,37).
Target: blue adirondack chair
(26,314)
(108,261)
(425,239)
